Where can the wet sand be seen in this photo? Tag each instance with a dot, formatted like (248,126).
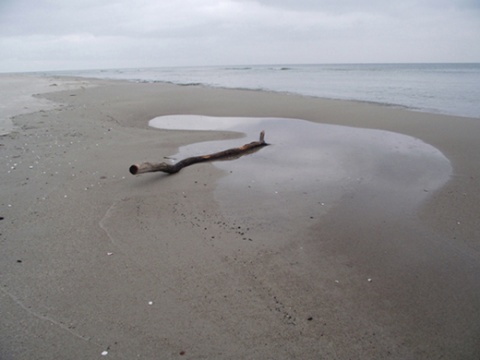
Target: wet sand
(363,246)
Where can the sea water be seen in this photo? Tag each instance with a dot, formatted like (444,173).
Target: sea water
(452,89)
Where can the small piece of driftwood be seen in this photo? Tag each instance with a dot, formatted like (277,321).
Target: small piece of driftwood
(174,168)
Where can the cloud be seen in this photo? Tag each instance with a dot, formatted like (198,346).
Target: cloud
(55,34)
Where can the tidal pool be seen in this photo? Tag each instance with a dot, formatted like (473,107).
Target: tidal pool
(310,167)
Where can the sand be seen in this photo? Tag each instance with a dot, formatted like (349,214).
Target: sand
(367,250)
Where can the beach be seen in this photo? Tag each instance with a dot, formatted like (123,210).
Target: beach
(378,259)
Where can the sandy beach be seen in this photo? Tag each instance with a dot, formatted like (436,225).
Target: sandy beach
(355,235)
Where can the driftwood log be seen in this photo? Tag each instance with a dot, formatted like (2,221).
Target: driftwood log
(172,169)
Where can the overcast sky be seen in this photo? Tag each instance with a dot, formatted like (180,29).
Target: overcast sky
(92,34)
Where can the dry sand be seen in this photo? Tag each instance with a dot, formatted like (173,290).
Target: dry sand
(207,264)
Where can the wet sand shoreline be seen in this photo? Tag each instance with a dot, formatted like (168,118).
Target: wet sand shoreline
(95,259)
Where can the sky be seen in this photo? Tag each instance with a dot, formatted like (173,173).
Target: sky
(40,35)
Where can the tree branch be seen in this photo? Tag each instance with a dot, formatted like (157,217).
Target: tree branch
(172,169)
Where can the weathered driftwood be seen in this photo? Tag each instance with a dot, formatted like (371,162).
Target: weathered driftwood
(172,169)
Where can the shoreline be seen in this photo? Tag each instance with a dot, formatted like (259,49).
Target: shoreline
(98,260)
(266,90)
(407,83)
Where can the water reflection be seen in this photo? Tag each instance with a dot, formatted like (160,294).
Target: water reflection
(310,167)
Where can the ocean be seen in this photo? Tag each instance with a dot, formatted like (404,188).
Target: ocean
(452,89)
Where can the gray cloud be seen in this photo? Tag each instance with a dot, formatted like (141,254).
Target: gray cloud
(54,34)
